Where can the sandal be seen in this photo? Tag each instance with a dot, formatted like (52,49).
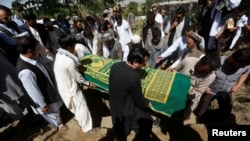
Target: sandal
(63,128)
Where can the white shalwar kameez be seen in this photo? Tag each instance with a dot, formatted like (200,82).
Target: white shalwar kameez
(124,32)
(68,79)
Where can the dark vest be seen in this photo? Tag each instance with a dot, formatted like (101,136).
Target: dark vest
(145,29)
(48,91)
(171,36)
(112,49)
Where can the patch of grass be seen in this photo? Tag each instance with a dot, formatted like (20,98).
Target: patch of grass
(138,26)
(247,86)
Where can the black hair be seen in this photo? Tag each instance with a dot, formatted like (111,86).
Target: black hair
(150,15)
(137,55)
(89,20)
(156,32)
(25,43)
(66,40)
(46,19)
(163,8)
(191,28)
(211,58)
(30,16)
(104,15)
(103,26)
(118,17)
(87,32)
(180,10)
(208,63)
(5,8)
(242,55)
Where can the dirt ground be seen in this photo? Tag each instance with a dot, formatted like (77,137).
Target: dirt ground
(36,129)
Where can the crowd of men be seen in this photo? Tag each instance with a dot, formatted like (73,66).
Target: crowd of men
(40,60)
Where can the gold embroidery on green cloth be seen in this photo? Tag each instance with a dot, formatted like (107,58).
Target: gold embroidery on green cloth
(159,86)
(156,84)
(98,67)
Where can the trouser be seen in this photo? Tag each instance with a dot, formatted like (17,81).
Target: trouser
(225,103)
(53,115)
(78,106)
(203,104)
(224,100)
(142,128)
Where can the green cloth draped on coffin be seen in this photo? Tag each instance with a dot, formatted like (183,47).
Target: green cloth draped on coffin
(167,91)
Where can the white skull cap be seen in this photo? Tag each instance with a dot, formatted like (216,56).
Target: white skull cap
(136,39)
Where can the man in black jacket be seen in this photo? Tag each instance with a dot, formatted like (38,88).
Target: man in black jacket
(9,31)
(127,104)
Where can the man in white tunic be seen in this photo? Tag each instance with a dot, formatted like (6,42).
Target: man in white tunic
(68,79)
(158,17)
(123,29)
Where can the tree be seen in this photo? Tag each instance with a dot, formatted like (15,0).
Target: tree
(49,8)
(133,5)
(147,5)
(52,8)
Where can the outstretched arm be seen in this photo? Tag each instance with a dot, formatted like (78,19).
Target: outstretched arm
(239,83)
(236,37)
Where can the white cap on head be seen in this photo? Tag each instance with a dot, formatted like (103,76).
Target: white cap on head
(105,11)
(136,39)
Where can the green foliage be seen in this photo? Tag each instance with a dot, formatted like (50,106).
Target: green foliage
(147,5)
(139,24)
(52,8)
(49,8)
(193,17)
(133,5)
(91,7)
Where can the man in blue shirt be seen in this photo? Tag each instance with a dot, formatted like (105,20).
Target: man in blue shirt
(232,74)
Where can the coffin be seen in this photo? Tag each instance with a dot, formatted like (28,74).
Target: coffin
(167,91)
